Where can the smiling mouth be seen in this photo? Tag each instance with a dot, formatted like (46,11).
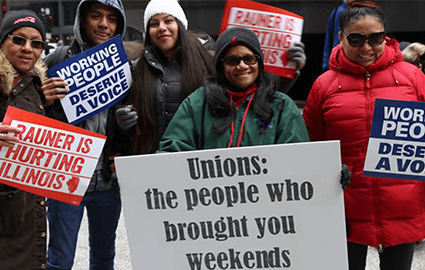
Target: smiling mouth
(243,74)
(100,34)
(365,56)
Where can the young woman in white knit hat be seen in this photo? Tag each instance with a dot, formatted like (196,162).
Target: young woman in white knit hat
(173,64)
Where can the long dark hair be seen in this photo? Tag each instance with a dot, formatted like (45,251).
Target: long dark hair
(219,106)
(196,63)
(357,9)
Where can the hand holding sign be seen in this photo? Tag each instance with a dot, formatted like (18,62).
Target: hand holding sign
(296,54)
(50,158)
(54,88)
(97,79)
(7,140)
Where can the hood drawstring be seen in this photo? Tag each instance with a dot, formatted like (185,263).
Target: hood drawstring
(392,72)
(339,76)
(239,97)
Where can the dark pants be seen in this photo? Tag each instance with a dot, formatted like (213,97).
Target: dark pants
(391,258)
(103,212)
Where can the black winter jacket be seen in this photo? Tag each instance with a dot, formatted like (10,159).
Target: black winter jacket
(167,88)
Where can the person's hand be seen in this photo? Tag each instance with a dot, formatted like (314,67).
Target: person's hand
(297,55)
(54,88)
(345,177)
(5,139)
(126,117)
(112,160)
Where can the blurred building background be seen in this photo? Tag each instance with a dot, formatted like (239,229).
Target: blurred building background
(405,23)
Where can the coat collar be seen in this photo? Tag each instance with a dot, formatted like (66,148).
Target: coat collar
(340,62)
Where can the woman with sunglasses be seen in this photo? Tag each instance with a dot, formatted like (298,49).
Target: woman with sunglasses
(380,212)
(238,107)
(22,215)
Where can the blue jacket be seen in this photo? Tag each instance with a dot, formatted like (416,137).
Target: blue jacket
(332,30)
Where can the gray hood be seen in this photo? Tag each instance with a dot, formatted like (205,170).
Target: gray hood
(122,24)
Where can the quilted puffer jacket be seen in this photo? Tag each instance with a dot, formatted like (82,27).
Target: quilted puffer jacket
(380,212)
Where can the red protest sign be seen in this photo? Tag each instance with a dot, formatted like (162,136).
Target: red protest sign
(277,29)
(52,159)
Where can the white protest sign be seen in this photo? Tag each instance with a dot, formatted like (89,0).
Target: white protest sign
(276,206)
(98,78)
(51,159)
(397,140)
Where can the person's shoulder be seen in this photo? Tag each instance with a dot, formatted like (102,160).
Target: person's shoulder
(57,56)
(282,98)
(197,95)
(407,68)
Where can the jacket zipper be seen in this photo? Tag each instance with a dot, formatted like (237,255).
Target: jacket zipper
(375,186)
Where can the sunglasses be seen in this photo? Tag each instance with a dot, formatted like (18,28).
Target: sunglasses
(357,39)
(35,43)
(234,60)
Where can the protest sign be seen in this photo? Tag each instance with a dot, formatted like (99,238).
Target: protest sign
(52,158)
(276,206)
(277,29)
(397,144)
(98,78)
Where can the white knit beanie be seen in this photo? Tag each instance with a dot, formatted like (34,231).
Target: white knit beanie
(171,7)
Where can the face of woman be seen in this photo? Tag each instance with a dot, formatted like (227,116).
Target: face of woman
(22,56)
(365,54)
(241,75)
(164,34)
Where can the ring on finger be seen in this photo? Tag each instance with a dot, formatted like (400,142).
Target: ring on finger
(2,136)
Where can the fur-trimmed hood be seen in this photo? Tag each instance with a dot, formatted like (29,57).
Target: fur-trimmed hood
(6,72)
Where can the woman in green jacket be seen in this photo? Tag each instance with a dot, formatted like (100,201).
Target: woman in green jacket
(238,107)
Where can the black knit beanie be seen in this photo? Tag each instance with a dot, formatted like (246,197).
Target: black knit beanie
(15,19)
(237,35)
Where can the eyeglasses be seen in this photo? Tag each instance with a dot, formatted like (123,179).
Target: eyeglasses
(35,43)
(357,39)
(234,60)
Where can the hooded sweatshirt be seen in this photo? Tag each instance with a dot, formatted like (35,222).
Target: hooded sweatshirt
(98,123)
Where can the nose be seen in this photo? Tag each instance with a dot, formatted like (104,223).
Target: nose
(162,26)
(366,45)
(103,22)
(242,65)
(27,46)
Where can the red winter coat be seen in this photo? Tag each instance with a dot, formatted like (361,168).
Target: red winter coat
(380,211)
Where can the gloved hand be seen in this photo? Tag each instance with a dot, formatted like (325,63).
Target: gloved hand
(345,177)
(297,54)
(126,117)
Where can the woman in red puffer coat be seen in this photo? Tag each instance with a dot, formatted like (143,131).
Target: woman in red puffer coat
(380,212)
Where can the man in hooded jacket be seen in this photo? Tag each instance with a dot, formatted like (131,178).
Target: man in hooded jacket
(95,22)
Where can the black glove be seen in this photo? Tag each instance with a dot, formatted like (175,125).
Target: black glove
(126,117)
(345,177)
(297,55)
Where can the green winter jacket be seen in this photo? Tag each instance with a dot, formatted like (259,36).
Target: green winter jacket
(190,128)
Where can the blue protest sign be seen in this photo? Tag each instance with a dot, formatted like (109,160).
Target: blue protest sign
(397,143)
(98,78)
